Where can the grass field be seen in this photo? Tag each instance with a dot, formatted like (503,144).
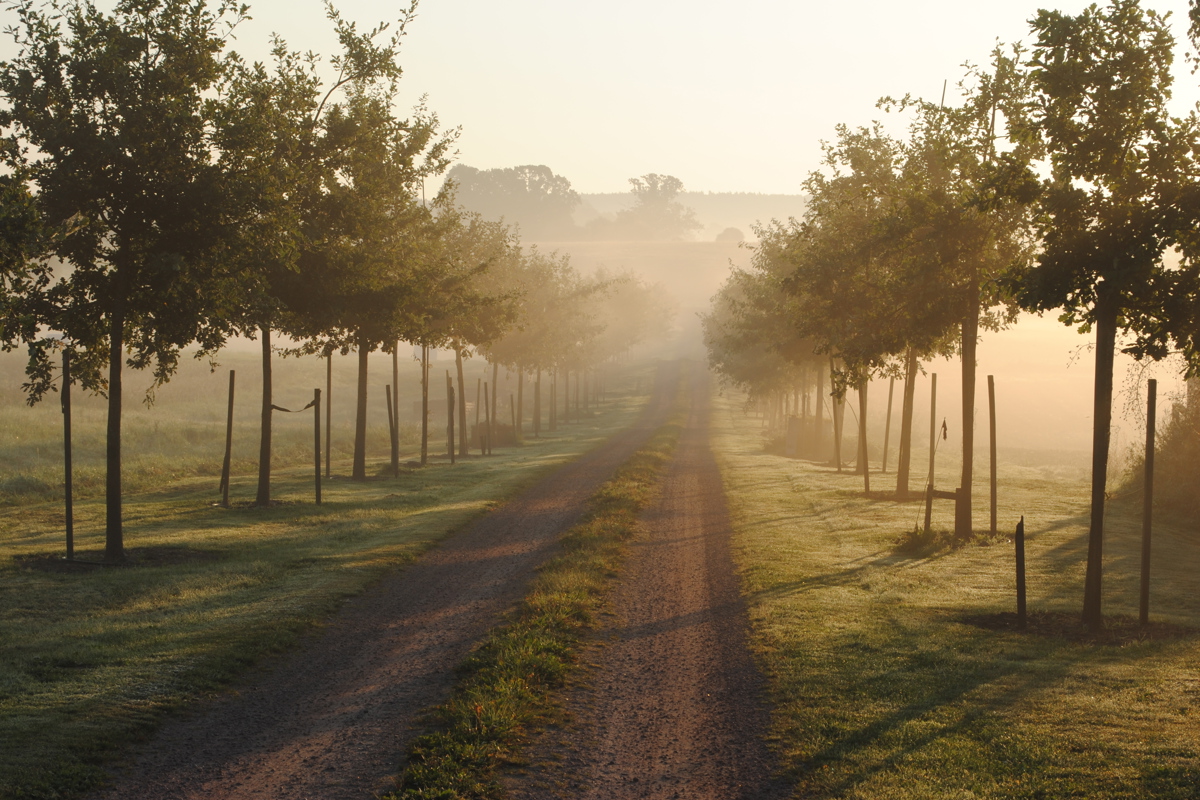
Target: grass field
(93,658)
(899,675)
(182,434)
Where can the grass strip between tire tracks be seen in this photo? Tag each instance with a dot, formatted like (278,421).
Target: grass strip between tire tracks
(506,688)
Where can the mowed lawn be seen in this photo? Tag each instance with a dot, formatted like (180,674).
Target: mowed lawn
(92,658)
(899,675)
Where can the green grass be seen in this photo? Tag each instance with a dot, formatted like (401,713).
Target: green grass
(506,689)
(182,434)
(895,671)
(93,659)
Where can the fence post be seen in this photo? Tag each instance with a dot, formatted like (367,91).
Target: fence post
(1148,500)
(1020,541)
(67,470)
(393,437)
(992,426)
(317,441)
(225,465)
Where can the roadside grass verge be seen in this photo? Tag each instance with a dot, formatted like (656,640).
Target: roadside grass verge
(93,658)
(894,666)
(506,688)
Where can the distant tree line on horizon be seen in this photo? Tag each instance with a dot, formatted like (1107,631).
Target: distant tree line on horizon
(160,193)
(1058,184)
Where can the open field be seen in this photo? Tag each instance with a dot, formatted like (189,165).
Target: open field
(182,434)
(94,658)
(900,675)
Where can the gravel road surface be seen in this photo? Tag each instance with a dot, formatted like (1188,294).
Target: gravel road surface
(331,719)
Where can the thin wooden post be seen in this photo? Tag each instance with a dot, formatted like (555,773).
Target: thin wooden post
(328,411)
(478,399)
(68,488)
(225,465)
(425,404)
(395,406)
(486,436)
(887,425)
(317,441)
(928,506)
(932,424)
(992,428)
(863,453)
(1148,500)
(450,415)
(1020,541)
(512,411)
(494,419)
(394,440)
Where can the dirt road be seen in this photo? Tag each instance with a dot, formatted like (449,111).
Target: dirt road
(332,719)
(672,707)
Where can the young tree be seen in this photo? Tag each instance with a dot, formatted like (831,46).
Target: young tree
(1119,167)
(964,218)
(114,126)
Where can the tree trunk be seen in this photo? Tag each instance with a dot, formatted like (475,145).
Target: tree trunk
(963,522)
(464,442)
(114,534)
(904,462)
(360,413)
(863,454)
(263,498)
(1106,334)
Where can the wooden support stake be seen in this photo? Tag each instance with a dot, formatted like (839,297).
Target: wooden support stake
(395,406)
(425,404)
(1148,500)
(328,411)
(68,488)
(393,439)
(992,428)
(928,506)
(450,414)
(933,431)
(887,425)
(317,441)
(478,399)
(228,445)
(1020,541)
(486,435)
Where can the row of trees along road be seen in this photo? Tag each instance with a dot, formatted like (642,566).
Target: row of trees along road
(1059,183)
(161,193)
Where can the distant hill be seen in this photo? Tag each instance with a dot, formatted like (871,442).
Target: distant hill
(715,210)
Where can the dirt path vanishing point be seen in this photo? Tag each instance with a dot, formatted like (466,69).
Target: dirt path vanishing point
(331,720)
(673,706)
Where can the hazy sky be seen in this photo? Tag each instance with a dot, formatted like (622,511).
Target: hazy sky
(727,97)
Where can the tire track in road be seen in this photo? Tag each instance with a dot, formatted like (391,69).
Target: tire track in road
(331,719)
(672,707)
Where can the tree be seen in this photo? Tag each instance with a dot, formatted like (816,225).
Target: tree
(327,180)
(1119,168)
(964,219)
(656,212)
(532,197)
(111,114)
